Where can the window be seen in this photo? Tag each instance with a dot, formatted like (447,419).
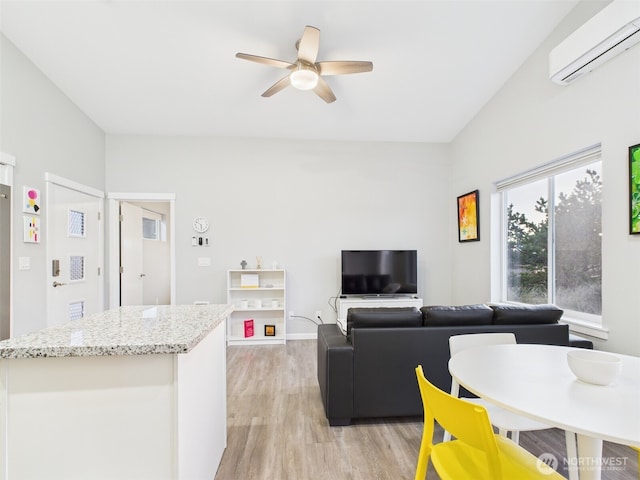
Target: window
(76,310)
(552,235)
(150,228)
(153,226)
(76,224)
(76,267)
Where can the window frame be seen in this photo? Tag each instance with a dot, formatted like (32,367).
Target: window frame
(159,219)
(579,322)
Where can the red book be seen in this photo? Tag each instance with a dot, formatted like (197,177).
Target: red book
(248,328)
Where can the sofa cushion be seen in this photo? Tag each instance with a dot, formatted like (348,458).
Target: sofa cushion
(525,314)
(383,317)
(457,315)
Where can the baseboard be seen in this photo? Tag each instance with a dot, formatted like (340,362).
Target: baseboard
(302,336)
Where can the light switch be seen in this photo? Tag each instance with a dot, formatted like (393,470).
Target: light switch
(24,263)
(204,261)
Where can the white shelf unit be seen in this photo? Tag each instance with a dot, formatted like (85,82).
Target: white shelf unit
(344,304)
(271,289)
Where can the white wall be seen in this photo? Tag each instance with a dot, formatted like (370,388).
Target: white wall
(45,132)
(296,202)
(533,121)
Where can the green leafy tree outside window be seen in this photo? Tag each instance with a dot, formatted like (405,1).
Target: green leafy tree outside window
(578,271)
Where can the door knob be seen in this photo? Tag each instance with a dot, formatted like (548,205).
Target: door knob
(58,284)
(142,275)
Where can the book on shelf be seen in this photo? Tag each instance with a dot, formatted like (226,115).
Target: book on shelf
(248,328)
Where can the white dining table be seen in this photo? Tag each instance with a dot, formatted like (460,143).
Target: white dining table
(535,381)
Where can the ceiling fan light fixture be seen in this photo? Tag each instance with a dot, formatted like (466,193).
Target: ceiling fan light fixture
(304,78)
(305,73)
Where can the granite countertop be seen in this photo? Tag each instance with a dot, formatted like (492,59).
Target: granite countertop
(139,330)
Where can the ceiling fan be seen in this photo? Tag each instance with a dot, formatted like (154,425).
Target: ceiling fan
(306,73)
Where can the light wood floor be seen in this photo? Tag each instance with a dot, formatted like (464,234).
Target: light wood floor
(277,429)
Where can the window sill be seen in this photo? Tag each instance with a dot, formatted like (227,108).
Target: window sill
(586,328)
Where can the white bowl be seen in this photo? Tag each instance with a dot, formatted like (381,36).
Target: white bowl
(591,366)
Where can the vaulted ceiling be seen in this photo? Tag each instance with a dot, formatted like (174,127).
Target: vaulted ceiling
(169,67)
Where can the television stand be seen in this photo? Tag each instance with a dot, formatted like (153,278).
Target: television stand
(373,301)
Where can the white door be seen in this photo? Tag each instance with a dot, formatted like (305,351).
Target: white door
(151,278)
(74,253)
(131,255)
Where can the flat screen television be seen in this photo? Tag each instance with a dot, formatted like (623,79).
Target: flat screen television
(379,272)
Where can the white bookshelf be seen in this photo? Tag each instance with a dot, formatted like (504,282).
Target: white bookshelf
(262,298)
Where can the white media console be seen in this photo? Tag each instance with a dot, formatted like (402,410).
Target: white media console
(344,304)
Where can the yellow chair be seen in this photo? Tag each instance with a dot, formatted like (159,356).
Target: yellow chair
(477,453)
(637,449)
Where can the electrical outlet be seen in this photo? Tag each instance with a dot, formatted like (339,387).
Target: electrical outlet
(318,313)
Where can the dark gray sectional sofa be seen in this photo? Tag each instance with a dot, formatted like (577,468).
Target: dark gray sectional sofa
(370,371)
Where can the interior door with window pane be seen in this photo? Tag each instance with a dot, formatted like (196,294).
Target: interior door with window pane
(74,228)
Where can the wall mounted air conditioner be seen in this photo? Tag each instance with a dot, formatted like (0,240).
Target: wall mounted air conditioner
(611,31)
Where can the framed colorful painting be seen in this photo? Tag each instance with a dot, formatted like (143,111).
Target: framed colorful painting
(634,189)
(469,217)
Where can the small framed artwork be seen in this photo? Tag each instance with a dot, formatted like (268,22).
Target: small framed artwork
(31,229)
(31,200)
(269,330)
(634,189)
(469,217)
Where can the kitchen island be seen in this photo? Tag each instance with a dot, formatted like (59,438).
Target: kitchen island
(130,393)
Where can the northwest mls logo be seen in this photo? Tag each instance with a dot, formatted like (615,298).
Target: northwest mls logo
(547,463)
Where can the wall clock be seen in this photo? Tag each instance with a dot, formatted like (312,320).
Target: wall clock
(200,224)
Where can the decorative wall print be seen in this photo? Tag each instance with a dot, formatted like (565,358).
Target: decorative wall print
(31,200)
(634,189)
(469,217)
(31,229)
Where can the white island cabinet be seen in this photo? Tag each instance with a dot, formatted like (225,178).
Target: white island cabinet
(131,393)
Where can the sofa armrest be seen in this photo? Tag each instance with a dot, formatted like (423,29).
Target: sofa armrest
(335,374)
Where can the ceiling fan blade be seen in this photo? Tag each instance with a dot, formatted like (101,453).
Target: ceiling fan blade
(324,91)
(267,61)
(309,44)
(343,67)
(276,87)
